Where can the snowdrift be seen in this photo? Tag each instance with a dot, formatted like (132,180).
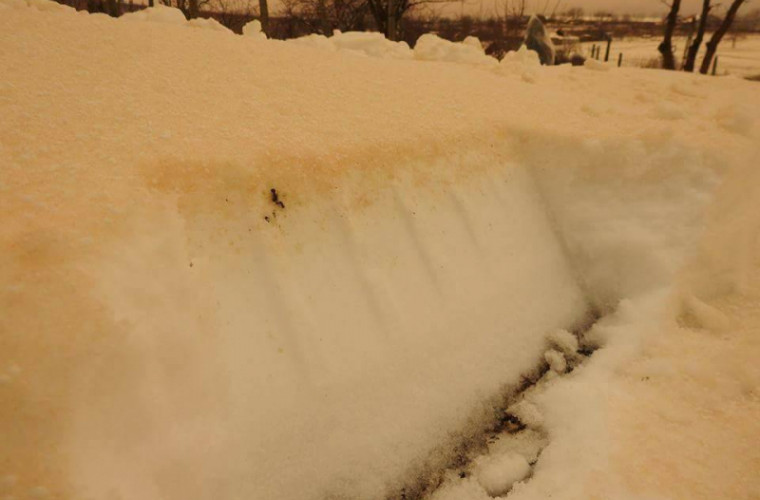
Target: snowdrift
(240,268)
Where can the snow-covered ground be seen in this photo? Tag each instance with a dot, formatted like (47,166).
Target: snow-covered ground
(738,57)
(240,268)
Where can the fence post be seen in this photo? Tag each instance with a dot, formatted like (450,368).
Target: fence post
(607,54)
(620,59)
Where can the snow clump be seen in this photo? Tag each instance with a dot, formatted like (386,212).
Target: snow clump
(523,57)
(158,14)
(208,24)
(163,14)
(556,361)
(358,42)
(253,28)
(565,342)
(595,65)
(431,47)
(371,44)
(497,475)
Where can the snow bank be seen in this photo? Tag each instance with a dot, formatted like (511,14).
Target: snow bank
(41,5)
(157,14)
(163,14)
(430,47)
(284,273)
(365,43)
(249,272)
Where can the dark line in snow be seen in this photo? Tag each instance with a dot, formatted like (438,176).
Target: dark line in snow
(424,480)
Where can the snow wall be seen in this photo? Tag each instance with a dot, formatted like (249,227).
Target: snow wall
(283,273)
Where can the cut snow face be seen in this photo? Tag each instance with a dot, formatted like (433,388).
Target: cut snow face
(242,268)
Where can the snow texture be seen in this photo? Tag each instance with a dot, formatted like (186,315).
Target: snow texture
(499,474)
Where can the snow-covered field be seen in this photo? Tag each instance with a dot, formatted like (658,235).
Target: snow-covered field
(235,268)
(740,57)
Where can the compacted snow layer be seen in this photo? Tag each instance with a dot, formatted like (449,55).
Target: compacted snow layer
(240,268)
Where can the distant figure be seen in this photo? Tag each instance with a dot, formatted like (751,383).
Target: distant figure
(538,40)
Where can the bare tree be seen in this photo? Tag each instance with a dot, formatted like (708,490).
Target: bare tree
(389,13)
(264,16)
(323,16)
(691,56)
(725,25)
(234,14)
(575,13)
(190,8)
(110,7)
(666,47)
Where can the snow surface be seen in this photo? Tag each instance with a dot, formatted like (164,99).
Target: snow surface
(173,328)
(739,58)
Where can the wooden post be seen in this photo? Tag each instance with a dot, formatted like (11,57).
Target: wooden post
(620,59)
(607,54)
(715,66)
(593,50)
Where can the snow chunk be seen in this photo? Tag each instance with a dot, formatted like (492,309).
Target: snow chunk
(522,57)
(497,475)
(40,5)
(431,47)
(473,41)
(163,14)
(522,62)
(157,14)
(528,413)
(371,44)
(364,43)
(253,29)
(595,65)
(556,360)
(208,24)
(564,342)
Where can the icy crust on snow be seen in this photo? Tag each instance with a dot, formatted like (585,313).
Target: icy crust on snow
(242,268)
